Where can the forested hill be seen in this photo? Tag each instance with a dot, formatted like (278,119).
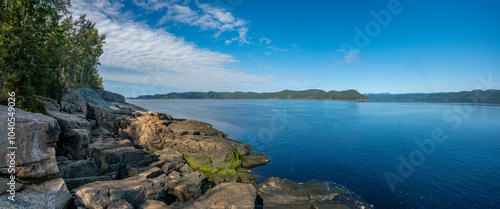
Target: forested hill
(311,94)
(488,96)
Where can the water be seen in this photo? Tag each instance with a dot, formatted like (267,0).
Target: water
(362,145)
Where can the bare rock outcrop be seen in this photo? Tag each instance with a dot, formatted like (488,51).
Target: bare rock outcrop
(35,138)
(103,193)
(226,195)
(283,193)
(48,194)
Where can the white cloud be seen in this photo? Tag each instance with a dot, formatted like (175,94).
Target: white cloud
(265,40)
(204,16)
(267,53)
(148,56)
(264,68)
(277,48)
(349,56)
(294,45)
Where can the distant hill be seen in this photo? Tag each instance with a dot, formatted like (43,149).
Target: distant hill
(311,94)
(488,96)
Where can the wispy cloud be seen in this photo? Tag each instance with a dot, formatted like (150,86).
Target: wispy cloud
(203,16)
(349,57)
(138,54)
(264,68)
(277,48)
(265,40)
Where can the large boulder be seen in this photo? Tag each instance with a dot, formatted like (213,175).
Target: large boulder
(78,169)
(226,195)
(111,155)
(75,135)
(48,194)
(253,160)
(277,192)
(153,204)
(184,190)
(74,103)
(110,96)
(101,194)
(35,138)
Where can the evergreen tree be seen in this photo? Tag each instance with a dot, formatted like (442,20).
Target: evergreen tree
(41,51)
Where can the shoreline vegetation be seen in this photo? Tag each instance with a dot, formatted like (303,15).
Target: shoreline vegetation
(475,96)
(311,94)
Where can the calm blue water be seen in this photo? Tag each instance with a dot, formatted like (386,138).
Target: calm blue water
(434,155)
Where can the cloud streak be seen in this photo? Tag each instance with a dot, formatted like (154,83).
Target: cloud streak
(349,57)
(135,53)
(204,16)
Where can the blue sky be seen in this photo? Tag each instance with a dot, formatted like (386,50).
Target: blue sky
(395,46)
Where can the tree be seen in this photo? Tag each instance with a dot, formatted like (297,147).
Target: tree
(41,51)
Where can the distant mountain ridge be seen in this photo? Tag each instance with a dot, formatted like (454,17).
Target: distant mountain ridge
(480,96)
(311,94)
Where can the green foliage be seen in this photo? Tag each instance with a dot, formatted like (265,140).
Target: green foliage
(41,52)
(476,96)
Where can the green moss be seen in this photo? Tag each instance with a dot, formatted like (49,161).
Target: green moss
(235,165)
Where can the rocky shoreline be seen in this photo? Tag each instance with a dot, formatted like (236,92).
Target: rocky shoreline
(94,150)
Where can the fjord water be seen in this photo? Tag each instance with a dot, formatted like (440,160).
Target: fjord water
(366,146)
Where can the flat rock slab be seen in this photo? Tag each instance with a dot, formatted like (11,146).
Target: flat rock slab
(184,190)
(153,204)
(226,195)
(36,135)
(254,160)
(276,192)
(49,194)
(78,169)
(101,194)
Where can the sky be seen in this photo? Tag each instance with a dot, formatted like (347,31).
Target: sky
(386,46)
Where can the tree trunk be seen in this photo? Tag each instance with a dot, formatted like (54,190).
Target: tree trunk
(83,69)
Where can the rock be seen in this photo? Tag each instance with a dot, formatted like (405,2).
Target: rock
(75,142)
(193,127)
(195,178)
(99,107)
(226,195)
(101,194)
(160,180)
(184,190)
(174,175)
(151,173)
(110,96)
(186,169)
(75,135)
(70,121)
(111,155)
(73,183)
(253,160)
(126,172)
(276,191)
(78,169)
(330,206)
(50,104)
(122,204)
(49,194)
(4,186)
(153,204)
(35,138)
(197,140)
(169,167)
(73,102)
